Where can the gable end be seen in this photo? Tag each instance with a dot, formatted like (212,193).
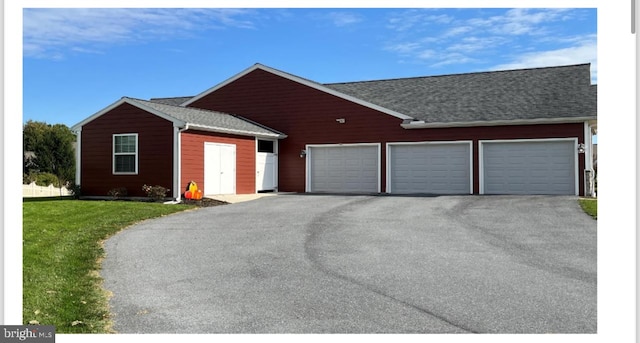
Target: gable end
(302,81)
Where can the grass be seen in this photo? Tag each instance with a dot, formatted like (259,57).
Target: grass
(61,259)
(590,206)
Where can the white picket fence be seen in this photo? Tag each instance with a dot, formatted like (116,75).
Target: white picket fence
(32,190)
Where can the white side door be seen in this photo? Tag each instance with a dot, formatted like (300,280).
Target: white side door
(265,172)
(266,177)
(219,168)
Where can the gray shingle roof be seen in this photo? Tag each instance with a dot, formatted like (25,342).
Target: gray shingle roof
(177,100)
(525,94)
(209,120)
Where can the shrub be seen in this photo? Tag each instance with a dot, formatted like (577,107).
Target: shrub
(75,190)
(156,193)
(41,179)
(118,192)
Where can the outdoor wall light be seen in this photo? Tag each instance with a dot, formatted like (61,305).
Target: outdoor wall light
(341,120)
(581,148)
(303,153)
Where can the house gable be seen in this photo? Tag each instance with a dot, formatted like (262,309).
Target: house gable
(154,151)
(302,81)
(125,100)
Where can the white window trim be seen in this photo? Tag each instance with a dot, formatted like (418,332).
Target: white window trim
(114,154)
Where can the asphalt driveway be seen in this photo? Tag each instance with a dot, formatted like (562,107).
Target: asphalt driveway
(359,264)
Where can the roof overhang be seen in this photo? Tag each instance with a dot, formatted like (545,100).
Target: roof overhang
(426,125)
(176,122)
(300,81)
(235,132)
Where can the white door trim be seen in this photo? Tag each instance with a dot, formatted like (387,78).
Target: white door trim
(489,141)
(309,154)
(388,167)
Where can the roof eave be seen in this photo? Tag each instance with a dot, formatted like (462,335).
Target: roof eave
(217,129)
(537,121)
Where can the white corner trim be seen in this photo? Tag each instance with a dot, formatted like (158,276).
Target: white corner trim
(299,80)
(78,156)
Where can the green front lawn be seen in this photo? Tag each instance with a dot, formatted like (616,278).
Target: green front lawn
(590,206)
(61,259)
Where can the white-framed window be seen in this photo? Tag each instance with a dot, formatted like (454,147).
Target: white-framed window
(125,153)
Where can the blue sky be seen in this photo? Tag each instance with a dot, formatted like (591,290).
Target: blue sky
(78,61)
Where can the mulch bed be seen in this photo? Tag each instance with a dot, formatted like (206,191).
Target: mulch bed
(204,202)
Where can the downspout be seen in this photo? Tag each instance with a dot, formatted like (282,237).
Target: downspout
(178,161)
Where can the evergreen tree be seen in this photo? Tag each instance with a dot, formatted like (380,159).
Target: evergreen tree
(50,150)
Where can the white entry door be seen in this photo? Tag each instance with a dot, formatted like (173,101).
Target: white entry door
(266,177)
(219,168)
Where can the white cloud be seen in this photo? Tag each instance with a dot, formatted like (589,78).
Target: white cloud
(403,48)
(415,19)
(53,32)
(584,52)
(344,18)
(512,38)
(519,21)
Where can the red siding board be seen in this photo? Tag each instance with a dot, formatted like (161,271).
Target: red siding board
(192,163)
(155,151)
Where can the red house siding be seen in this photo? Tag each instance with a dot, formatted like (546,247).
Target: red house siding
(308,116)
(155,151)
(192,163)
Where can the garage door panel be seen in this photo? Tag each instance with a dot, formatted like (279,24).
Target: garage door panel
(430,168)
(346,168)
(529,167)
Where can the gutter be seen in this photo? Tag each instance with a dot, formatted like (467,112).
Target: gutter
(235,132)
(421,124)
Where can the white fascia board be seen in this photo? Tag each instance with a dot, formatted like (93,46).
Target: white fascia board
(176,122)
(300,81)
(425,125)
(79,126)
(235,132)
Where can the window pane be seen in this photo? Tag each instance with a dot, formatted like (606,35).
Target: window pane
(265,146)
(125,144)
(125,164)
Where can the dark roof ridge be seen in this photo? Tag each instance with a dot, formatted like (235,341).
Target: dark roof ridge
(459,74)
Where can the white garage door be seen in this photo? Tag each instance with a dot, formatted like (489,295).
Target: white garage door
(343,168)
(437,168)
(529,167)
